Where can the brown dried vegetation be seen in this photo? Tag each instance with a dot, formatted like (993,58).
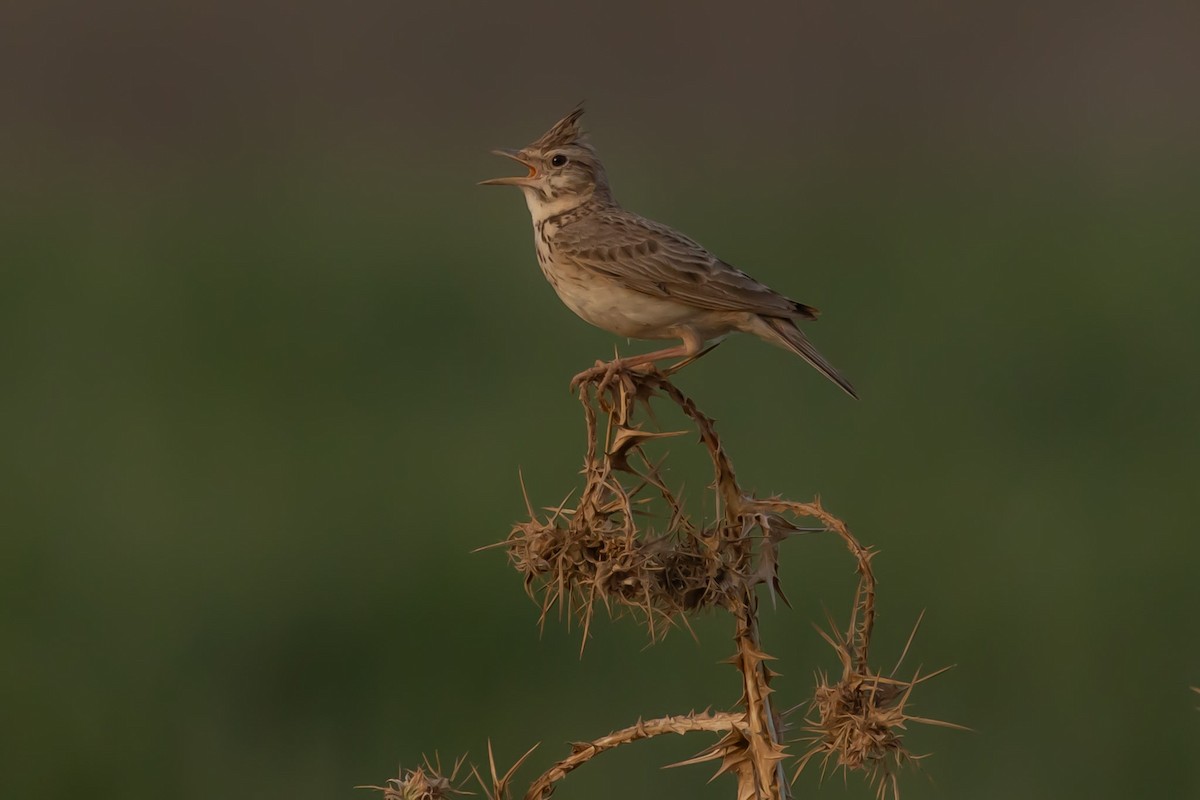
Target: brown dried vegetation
(605,550)
(425,782)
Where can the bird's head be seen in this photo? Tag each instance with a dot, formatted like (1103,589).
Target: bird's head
(564,171)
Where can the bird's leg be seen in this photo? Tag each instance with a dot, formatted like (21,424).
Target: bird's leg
(671,370)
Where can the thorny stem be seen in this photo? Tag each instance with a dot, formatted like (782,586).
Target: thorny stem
(583,752)
(762,775)
(725,480)
(767,779)
(862,618)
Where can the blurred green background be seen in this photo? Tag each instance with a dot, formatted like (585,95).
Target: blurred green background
(272,362)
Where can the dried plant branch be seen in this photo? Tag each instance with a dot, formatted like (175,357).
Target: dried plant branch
(764,775)
(583,752)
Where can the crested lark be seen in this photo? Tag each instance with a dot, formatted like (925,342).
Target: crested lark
(635,277)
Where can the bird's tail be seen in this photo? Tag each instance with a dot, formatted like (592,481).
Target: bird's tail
(784,332)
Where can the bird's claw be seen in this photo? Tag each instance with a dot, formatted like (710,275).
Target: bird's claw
(605,371)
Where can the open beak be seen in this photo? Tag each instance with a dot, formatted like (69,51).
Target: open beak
(523,180)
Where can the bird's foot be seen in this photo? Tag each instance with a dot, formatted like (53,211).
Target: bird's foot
(602,375)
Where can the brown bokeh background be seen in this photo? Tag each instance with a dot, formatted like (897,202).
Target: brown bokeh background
(272,362)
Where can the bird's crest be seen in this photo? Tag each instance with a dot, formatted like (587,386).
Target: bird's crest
(564,132)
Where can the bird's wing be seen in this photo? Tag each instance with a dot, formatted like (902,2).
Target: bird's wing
(656,260)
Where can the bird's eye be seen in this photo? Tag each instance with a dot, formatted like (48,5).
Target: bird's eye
(558,160)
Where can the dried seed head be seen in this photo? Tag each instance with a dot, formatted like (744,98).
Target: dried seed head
(577,561)
(426,782)
(857,723)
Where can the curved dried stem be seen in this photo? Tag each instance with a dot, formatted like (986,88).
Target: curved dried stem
(582,752)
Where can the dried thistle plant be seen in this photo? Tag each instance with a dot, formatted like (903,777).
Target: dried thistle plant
(425,782)
(857,723)
(610,549)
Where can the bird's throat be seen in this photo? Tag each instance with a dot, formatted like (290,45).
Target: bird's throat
(543,206)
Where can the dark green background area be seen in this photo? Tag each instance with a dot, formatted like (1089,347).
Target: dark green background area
(272,362)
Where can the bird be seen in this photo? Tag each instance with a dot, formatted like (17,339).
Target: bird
(635,277)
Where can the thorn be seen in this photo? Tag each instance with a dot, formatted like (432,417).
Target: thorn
(524,493)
